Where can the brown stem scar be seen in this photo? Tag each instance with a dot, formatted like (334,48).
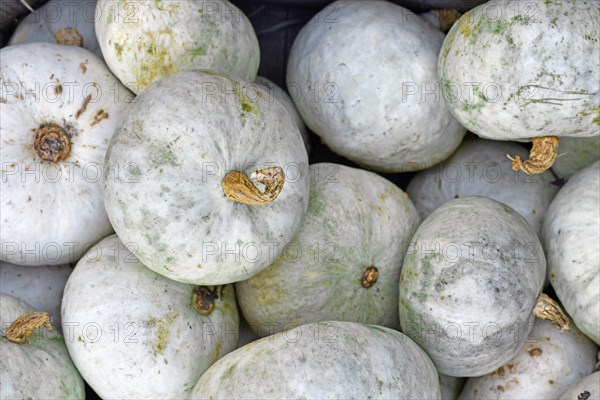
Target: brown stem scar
(541,157)
(546,308)
(52,143)
(23,326)
(69,36)
(239,188)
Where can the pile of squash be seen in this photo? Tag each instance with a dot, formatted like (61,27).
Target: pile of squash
(173,228)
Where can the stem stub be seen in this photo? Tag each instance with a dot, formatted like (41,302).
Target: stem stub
(69,36)
(369,277)
(22,327)
(546,308)
(239,188)
(51,143)
(541,157)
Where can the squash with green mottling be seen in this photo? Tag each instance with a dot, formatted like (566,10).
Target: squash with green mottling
(326,360)
(134,334)
(38,368)
(221,178)
(143,41)
(344,263)
(571,235)
(525,71)
(470,280)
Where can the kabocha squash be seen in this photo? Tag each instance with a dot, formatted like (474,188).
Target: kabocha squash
(576,154)
(469,284)
(35,363)
(60,21)
(525,71)
(480,168)
(40,286)
(587,388)
(571,235)
(548,363)
(193,211)
(359,77)
(327,360)
(277,93)
(59,107)
(143,41)
(134,334)
(344,263)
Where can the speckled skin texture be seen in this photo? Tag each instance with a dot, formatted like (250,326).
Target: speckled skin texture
(328,360)
(277,93)
(480,168)
(590,384)
(54,209)
(42,24)
(548,363)
(469,283)
(571,235)
(174,209)
(143,41)
(536,67)
(144,338)
(577,153)
(41,367)
(355,219)
(357,75)
(41,286)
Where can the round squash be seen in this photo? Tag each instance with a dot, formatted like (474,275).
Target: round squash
(134,334)
(576,154)
(60,106)
(525,71)
(41,286)
(327,360)
(35,363)
(143,41)
(469,284)
(277,93)
(480,168)
(60,21)
(358,77)
(548,363)
(571,235)
(193,211)
(587,388)
(344,263)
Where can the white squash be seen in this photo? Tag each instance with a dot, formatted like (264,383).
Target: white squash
(327,360)
(59,107)
(344,263)
(576,154)
(469,284)
(277,93)
(60,21)
(525,71)
(587,388)
(134,334)
(38,365)
(359,78)
(548,363)
(571,234)
(192,211)
(480,168)
(143,41)
(40,286)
